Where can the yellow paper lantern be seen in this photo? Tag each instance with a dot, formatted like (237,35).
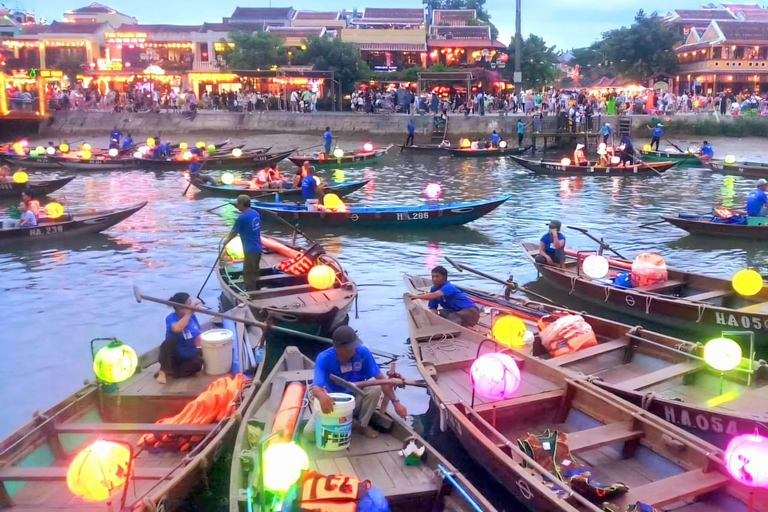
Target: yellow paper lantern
(183,146)
(465,143)
(115,363)
(730,159)
(227,178)
(338,176)
(747,282)
(20,177)
(509,330)
(64,147)
(321,277)
(338,152)
(86,147)
(235,249)
(40,150)
(647,148)
(18,148)
(237,152)
(722,354)
(283,464)
(54,210)
(87,155)
(151,141)
(332,201)
(98,470)
(200,145)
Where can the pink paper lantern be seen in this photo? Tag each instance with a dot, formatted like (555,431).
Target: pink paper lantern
(747,459)
(495,376)
(433,190)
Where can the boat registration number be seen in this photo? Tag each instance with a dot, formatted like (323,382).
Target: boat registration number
(413,216)
(701,421)
(744,321)
(47,230)
(6,186)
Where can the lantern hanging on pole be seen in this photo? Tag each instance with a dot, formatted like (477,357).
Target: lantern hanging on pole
(99,469)
(722,354)
(114,363)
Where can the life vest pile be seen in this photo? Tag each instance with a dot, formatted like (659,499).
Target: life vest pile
(550,450)
(301,262)
(315,492)
(648,268)
(565,334)
(215,403)
(288,413)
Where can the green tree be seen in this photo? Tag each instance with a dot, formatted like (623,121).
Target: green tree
(538,62)
(71,63)
(332,54)
(254,50)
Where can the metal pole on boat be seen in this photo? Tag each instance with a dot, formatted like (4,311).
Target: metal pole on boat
(448,475)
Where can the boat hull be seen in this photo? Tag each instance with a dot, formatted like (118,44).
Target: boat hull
(347,159)
(424,149)
(487,153)
(664,156)
(340,189)
(745,169)
(28,162)
(556,168)
(95,164)
(39,187)
(703,226)
(256,161)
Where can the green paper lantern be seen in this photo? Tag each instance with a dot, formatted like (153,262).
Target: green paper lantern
(115,363)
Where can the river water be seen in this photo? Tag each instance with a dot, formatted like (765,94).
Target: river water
(55,300)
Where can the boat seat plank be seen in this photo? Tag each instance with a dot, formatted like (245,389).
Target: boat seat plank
(145,384)
(592,438)
(345,467)
(521,400)
(138,428)
(600,348)
(666,285)
(58,473)
(705,296)
(675,488)
(297,375)
(761,307)
(670,372)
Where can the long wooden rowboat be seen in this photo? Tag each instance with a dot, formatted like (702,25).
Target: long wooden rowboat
(406,488)
(39,187)
(36,457)
(247,161)
(349,157)
(666,376)
(488,153)
(209,160)
(265,194)
(597,435)
(704,225)
(695,302)
(48,230)
(386,217)
(425,149)
(556,168)
(666,156)
(747,169)
(31,162)
(95,163)
(288,299)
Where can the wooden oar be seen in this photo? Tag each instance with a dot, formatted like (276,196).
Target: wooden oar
(295,228)
(218,257)
(511,285)
(600,241)
(308,147)
(639,158)
(190,178)
(652,223)
(357,387)
(255,323)
(674,145)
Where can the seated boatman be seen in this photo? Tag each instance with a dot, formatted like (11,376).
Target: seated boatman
(178,353)
(448,301)
(350,360)
(757,201)
(552,246)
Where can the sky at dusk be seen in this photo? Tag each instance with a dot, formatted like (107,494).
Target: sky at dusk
(565,23)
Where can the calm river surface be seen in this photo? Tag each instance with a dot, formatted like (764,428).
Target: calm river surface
(55,300)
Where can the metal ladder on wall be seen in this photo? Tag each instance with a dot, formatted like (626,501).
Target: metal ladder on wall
(625,126)
(439,131)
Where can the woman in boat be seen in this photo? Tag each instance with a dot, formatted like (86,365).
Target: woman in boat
(179,356)
(579,158)
(32,204)
(27,218)
(448,301)
(274,178)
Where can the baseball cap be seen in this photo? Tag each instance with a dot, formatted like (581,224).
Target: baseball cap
(761,182)
(555,224)
(345,336)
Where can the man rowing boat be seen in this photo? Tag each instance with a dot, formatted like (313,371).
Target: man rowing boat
(448,301)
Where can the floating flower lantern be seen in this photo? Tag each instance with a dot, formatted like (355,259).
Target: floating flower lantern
(433,190)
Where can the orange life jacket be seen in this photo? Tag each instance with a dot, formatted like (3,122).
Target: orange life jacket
(578,157)
(723,212)
(298,265)
(34,206)
(566,335)
(334,493)
(274,175)
(304,172)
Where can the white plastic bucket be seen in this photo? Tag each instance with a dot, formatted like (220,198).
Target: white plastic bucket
(333,431)
(217,351)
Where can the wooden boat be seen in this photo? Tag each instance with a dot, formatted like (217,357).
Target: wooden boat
(95,163)
(40,187)
(666,156)
(407,488)
(349,157)
(747,169)
(695,302)
(556,168)
(385,217)
(36,456)
(288,299)
(31,162)
(68,225)
(598,435)
(216,160)
(425,149)
(705,225)
(662,374)
(487,152)
(266,194)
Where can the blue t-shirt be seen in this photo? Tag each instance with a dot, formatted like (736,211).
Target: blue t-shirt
(606,130)
(495,138)
(194,167)
(755,201)
(127,142)
(549,246)
(453,298)
(185,340)
(361,366)
(656,132)
(327,136)
(248,226)
(520,127)
(411,128)
(29,217)
(115,135)
(707,150)
(308,186)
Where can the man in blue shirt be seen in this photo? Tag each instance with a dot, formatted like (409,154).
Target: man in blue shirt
(348,359)
(411,132)
(520,132)
(448,301)
(607,133)
(328,139)
(552,246)
(707,151)
(178,353)
(757,200)
(309,184)
(114,138)
(127,142)
(656,136)
(495,139)
(27,218)
(248,226)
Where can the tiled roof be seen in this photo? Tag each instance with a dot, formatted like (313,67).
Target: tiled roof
(262,13)
(297,31)
(762,14)
(746,31)
(741,7)
(158,29)
(226,27)
(93,8)
(58,27)
(374,13)
(313,15)
(29,30)
(440,16)
(479,32)
(704,14)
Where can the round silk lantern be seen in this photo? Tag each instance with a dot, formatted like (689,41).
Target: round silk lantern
(50,150)
(20,177)
(138,154)
(730,159)
(332,201)
(40,150)
(86,155)
(368,147)
(86,147)
(465,144)
(211,148)
(647,148)
(186,155)
(283,464)
(615,160)
(183,146)
(747,282)
(338,152)
(113,152)
(565,161)
(321,277)
(722,354)
(227,178)
(33,153)
(235,249)
(595,266)
(64,147)
(433,190)
(503,144)
(151,141)
(495,376)
(54,210)
(115,363)
(200,145)
(747,459)
(98,470)
(237,152)
(509,331)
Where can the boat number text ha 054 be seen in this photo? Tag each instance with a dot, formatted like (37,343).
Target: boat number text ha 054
(700,421)
(47,230)
(413,216)
(743,321)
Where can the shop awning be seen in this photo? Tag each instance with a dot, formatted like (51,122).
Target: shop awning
(392,47)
